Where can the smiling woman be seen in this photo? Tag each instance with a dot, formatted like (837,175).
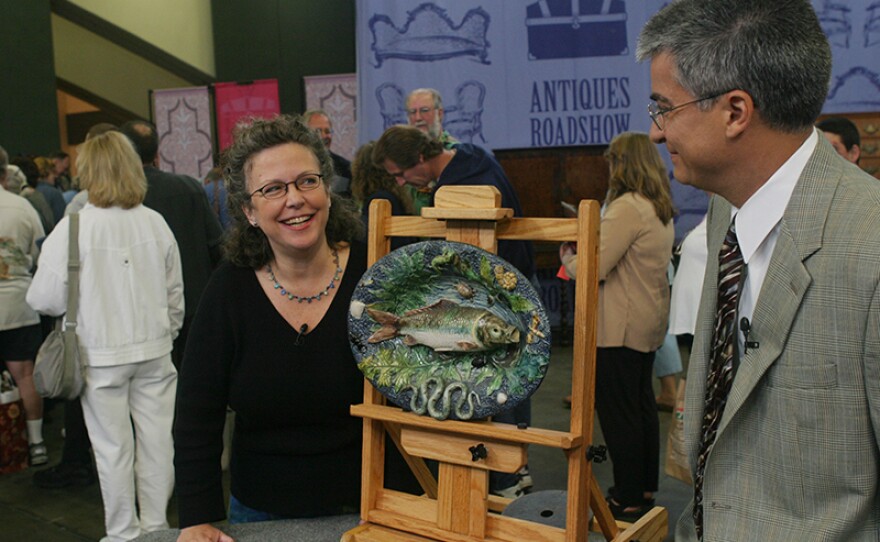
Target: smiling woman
(274,345)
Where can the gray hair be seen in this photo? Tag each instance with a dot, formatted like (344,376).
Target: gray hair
(307,116)
(248,246)
(438,101)
(15,179)
(775,51)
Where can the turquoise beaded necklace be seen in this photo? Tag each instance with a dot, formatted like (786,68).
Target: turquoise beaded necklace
(309,299)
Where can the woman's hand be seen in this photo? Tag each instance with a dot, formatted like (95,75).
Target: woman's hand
(204,532)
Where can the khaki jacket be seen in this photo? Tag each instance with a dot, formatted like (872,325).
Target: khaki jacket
(634,253)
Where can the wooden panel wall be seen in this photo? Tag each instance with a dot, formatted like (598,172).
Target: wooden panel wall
(545,177)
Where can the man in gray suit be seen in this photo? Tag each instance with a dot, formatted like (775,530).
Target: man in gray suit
(795,455)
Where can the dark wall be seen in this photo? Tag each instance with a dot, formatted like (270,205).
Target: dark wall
(260,39)
(28,103)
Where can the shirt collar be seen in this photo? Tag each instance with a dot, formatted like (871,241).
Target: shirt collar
(763,211)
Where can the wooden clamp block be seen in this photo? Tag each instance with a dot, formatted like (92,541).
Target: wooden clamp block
(456,449)
(467,203)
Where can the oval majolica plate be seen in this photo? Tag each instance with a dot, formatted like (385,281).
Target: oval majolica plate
(449,330)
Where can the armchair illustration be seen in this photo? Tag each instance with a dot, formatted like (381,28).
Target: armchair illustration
(464,119)
(391,104)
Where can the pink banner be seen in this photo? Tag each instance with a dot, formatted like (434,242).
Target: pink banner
(234,101)
(183,122)
(337,95)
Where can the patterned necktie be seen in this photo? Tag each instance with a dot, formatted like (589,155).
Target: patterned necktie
(720,378)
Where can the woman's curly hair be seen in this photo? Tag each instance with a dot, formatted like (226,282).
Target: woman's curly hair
(248,246)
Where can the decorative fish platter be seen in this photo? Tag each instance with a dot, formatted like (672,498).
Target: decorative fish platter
(449,330)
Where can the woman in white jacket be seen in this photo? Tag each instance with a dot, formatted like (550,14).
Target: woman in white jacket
(130,310)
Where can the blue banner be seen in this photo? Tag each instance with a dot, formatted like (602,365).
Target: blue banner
(513,74)
(853,29)
(551,73)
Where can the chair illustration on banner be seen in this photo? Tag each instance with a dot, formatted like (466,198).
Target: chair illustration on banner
(464,120)
(391,104)
(576,28)
(429,34)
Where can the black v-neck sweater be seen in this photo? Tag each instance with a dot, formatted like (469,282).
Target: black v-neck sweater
(296,448)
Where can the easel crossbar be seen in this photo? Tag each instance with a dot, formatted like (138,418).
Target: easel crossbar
(549,230)
(479,429)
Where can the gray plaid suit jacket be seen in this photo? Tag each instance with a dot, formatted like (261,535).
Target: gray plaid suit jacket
(797,455)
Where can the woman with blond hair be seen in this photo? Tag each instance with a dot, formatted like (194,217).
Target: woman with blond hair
(636,239)
(130,310)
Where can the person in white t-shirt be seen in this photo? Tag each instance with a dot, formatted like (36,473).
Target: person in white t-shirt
(20,335)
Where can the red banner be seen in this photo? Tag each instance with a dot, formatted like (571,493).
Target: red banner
(234,101)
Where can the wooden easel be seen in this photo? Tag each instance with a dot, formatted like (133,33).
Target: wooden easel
(456,506)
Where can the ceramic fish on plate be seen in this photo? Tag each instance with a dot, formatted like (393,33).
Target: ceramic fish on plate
(445,326)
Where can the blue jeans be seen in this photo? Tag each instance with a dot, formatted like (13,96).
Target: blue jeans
(667,360)
(239,513)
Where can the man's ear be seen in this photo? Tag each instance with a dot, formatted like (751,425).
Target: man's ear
(854,153)
(740,110)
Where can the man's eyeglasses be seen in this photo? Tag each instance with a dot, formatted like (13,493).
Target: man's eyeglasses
(278,189)
(657,113)
(421,110)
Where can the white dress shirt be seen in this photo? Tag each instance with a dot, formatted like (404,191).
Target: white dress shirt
(757,225)
(687,286)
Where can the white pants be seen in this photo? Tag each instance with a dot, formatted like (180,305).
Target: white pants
(133,462)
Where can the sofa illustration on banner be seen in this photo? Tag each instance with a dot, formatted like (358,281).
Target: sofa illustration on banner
(463,119)
(429,34)
(576,29)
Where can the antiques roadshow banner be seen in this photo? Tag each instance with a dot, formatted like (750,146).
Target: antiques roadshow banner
(549,73)
(513,74)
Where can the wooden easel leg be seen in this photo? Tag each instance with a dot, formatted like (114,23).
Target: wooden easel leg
(601,511)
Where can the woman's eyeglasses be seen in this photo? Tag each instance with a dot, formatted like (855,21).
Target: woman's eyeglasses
(278,189)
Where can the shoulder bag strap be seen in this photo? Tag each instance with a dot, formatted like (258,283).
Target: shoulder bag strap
(73,272)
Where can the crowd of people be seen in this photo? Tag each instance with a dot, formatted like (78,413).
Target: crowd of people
(197,298)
